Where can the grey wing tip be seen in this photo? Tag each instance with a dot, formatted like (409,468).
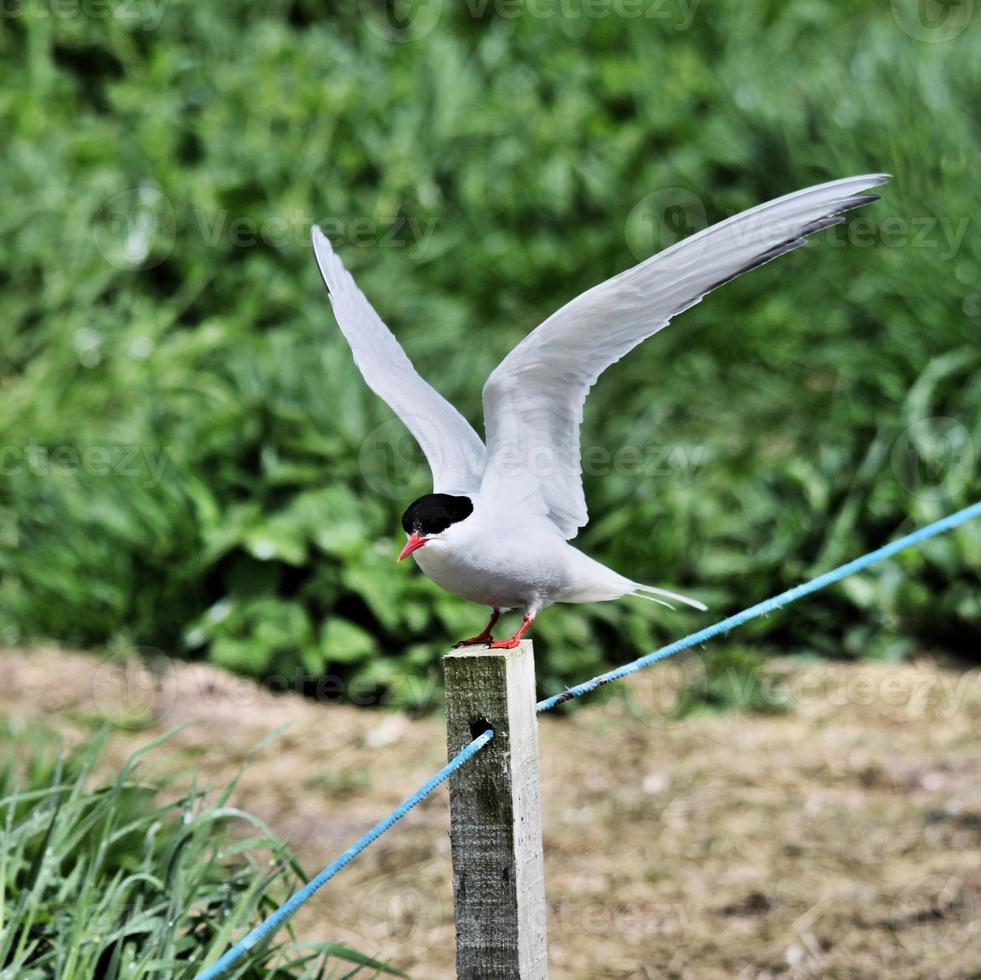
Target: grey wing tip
(846,204)
(859,199)
(797,240)
(316,236)
(872,180)
(828,221)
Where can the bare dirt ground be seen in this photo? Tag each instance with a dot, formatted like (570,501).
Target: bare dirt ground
(839,838)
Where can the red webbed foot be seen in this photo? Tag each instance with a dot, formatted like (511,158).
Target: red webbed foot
(483,637)
(511,643)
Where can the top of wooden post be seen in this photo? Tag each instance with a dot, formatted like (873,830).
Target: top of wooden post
(482,650)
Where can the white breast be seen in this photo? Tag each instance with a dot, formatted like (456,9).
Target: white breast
(516,562)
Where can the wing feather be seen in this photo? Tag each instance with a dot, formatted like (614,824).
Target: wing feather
(533,401)
(453,450)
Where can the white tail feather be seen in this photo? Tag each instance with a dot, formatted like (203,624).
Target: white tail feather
(650,598)
(643,592)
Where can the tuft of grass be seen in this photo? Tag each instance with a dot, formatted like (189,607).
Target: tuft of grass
(112,880)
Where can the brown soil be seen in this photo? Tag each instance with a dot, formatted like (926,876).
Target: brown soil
(837,839)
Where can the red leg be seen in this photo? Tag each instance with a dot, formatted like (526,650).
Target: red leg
(483,637)
(516,639)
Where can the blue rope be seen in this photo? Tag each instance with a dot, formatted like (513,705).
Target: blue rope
(281,914)
(767,605)
(760,609)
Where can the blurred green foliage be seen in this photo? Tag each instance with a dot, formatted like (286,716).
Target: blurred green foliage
(191,460)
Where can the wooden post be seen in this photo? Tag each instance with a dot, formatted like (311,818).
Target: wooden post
(495,815)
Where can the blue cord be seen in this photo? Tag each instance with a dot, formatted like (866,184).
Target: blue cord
(768,605)
(760,609)
(297,899)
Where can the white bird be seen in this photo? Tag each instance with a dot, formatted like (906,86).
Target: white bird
(497,526)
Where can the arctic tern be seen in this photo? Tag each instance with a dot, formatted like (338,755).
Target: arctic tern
(496,528)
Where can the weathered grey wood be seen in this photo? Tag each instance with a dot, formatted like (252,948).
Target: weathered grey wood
(495,816)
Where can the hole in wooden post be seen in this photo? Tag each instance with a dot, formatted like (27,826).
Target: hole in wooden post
(478,726)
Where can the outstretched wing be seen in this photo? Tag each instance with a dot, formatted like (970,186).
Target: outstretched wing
(453,450)
(533,401)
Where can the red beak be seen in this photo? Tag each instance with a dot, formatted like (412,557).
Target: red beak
(414,543)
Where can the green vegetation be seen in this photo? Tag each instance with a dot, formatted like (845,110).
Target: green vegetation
(191,461)
(122,880)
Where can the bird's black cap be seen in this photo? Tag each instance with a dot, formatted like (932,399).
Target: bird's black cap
(435,512)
